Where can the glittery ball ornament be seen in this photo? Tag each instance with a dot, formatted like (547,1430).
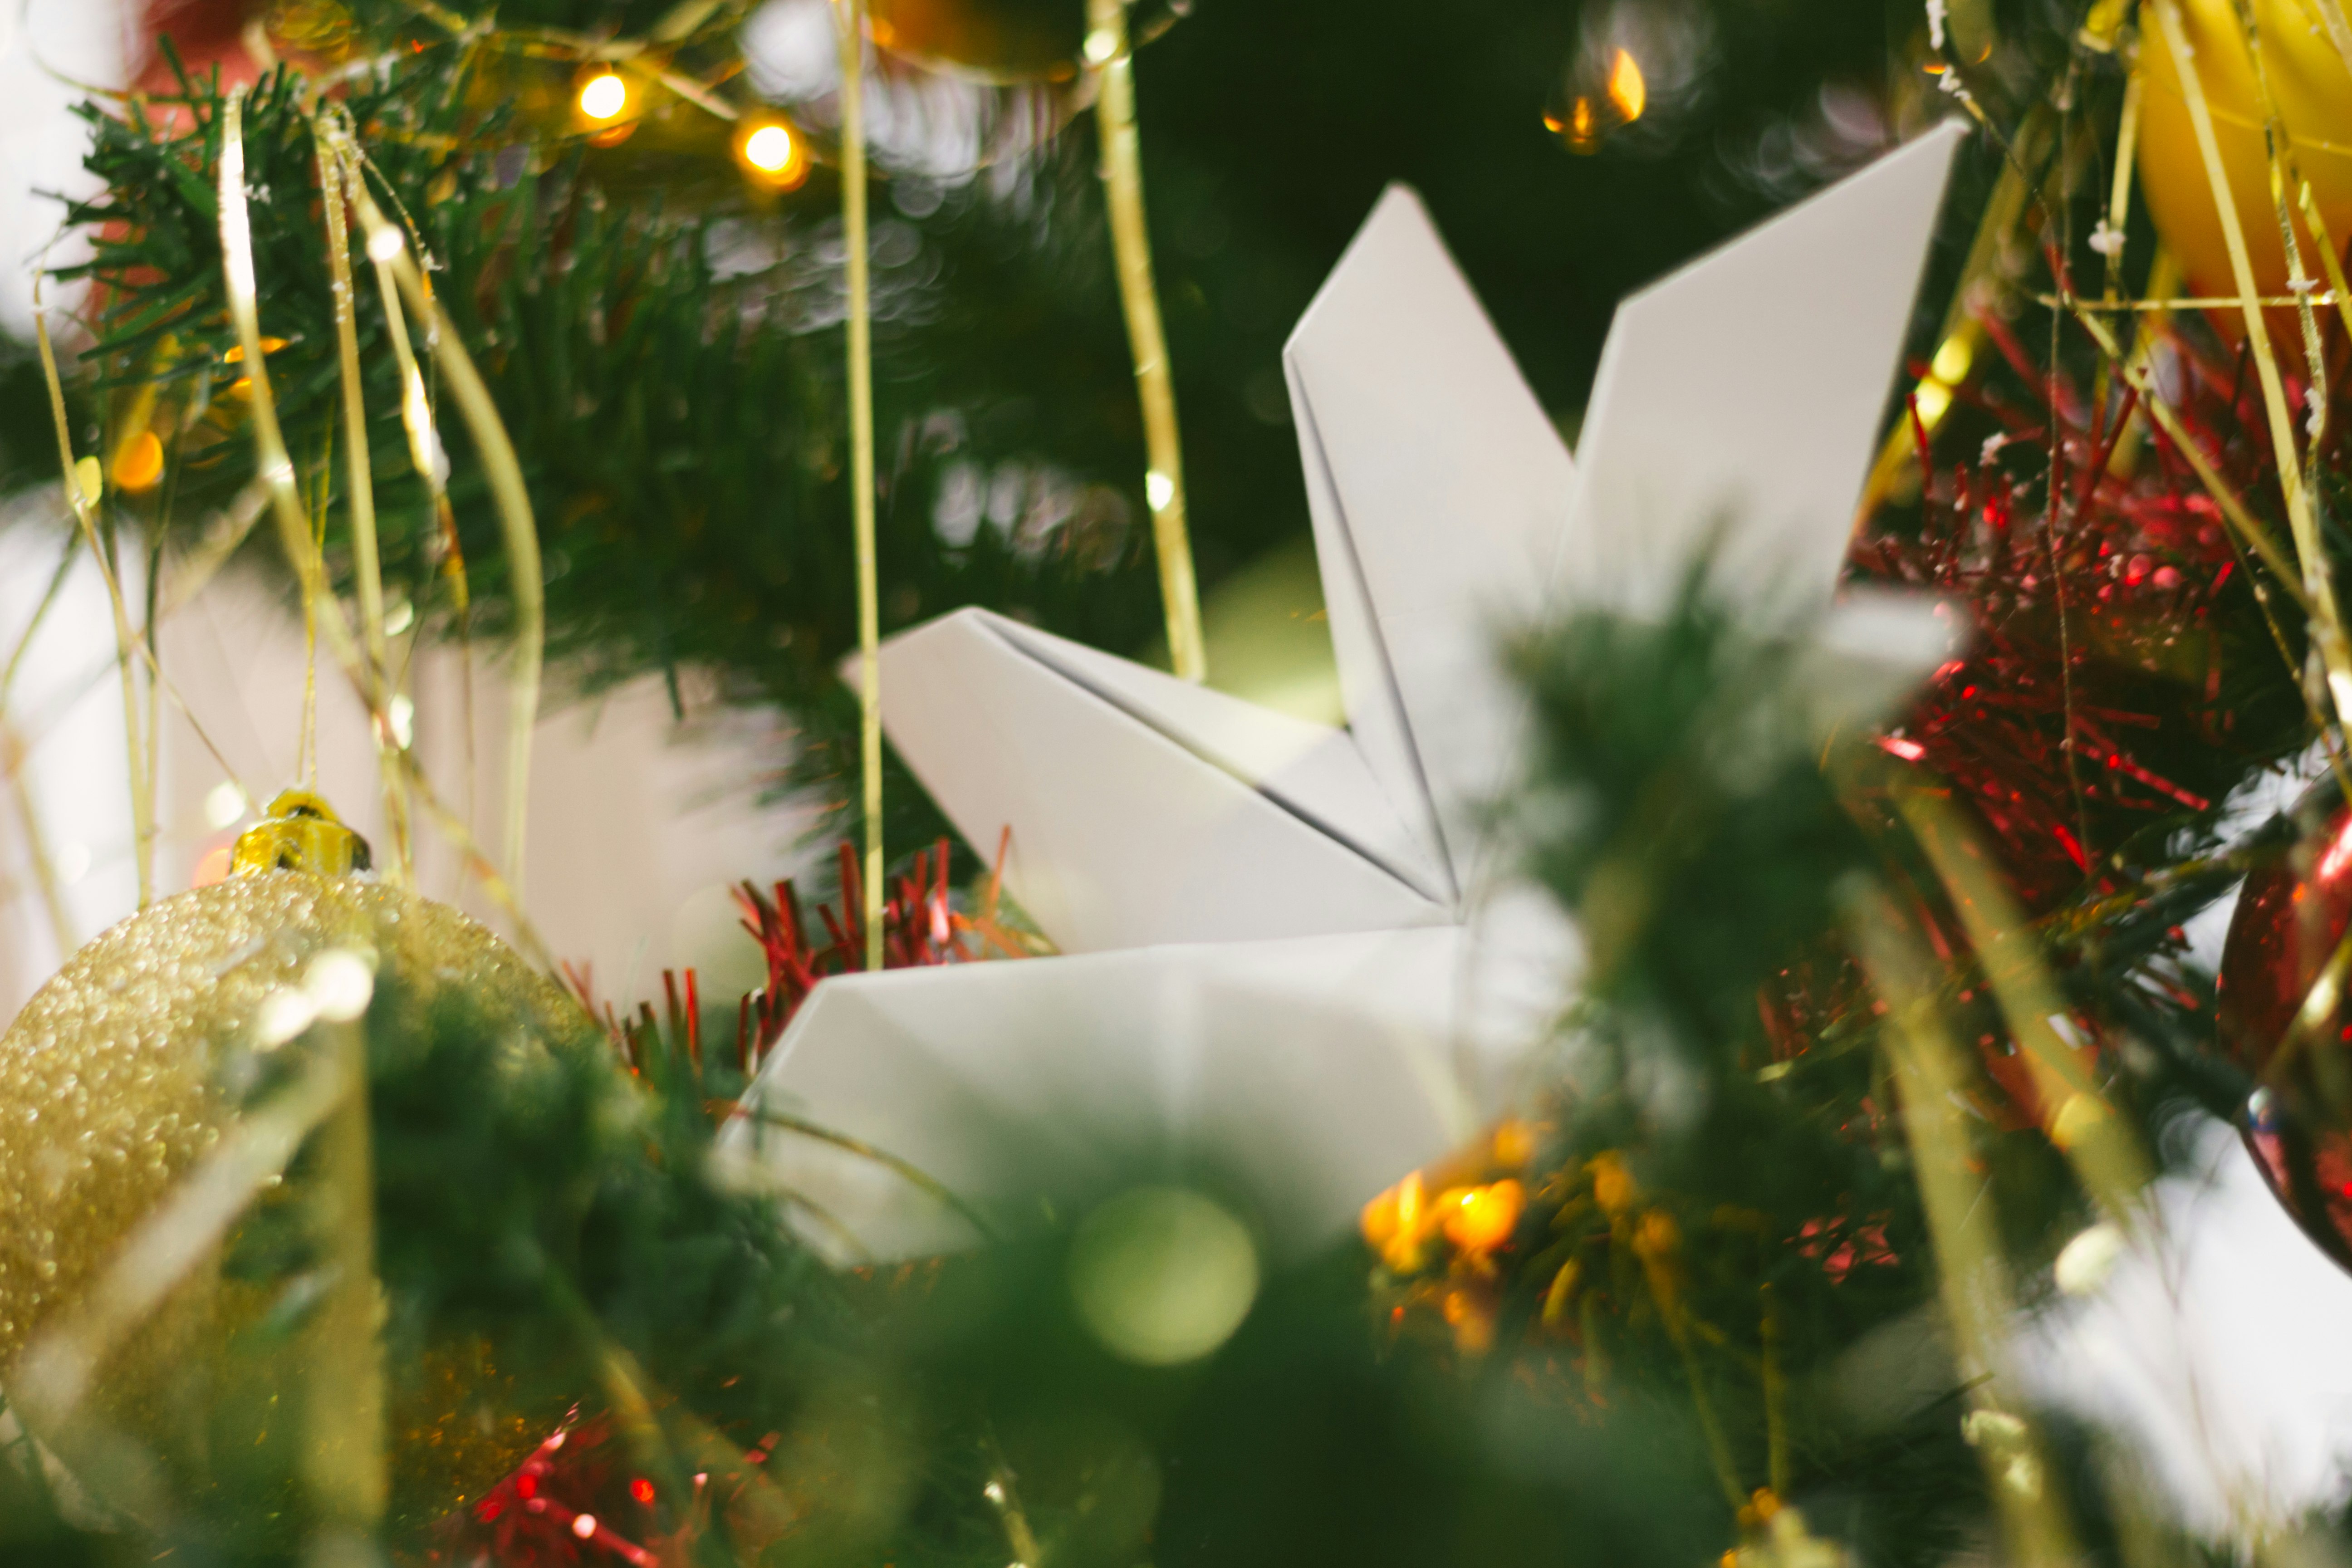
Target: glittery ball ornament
(2311,87)
(2284,1019)
(128,1066)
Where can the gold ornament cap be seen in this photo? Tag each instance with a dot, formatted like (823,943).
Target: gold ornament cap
(300,832)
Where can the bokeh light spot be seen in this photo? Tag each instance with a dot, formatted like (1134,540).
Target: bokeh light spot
(1162,1275)
(770,148)
(604,97)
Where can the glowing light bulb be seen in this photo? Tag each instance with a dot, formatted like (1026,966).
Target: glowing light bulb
(769,148)
(772,153)
(584,1525)
(604,97)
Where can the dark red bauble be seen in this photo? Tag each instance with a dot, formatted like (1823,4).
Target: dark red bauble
(2298,1125)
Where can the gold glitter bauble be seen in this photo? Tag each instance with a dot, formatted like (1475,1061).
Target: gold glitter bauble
(112,1088)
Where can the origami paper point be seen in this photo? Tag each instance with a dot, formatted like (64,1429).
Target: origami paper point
(1145,809)
(1739,400)
(1437,487)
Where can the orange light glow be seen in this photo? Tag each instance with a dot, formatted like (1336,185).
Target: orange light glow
(1482,1218)
(1396,1223)
(1579,134)
(1515,1144)
(234,354)
(1627,91)
(1472,1319)
(213,868)
(1613,1184)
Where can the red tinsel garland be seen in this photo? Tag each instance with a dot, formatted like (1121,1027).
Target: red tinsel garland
(2094,586)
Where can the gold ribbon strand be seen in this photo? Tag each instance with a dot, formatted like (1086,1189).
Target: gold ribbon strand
(1110,52)
(852,32)
(84,485)
(367,564)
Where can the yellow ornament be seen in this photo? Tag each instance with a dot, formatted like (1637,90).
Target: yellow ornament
(125,1070)
(2311,86)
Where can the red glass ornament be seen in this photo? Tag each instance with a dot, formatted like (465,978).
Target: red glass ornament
(2291,916)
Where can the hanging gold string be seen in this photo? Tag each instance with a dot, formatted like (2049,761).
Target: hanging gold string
(425,449)
(2118,218)
(1108,51)
(2339,292)
(344,1468)
(861,458)
(12,757)
(366,561)
(306,755)
(84,485)
(388,247)
(275,475)
(275,467)
(86,472)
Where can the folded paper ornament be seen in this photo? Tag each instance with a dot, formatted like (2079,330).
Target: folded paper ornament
(1296,959)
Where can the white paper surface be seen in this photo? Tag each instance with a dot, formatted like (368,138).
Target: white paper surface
(1058,1080)
(1436,486)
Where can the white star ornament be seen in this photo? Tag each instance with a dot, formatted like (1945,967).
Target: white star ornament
(1286,956)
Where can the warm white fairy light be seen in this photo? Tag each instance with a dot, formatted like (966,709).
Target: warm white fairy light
(769,148)
(604,97)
